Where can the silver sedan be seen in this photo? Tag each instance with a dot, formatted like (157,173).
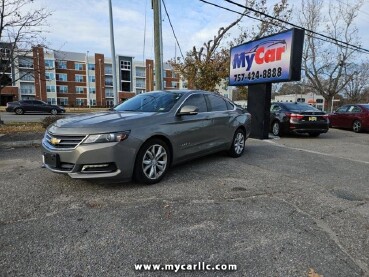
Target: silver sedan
(145,135)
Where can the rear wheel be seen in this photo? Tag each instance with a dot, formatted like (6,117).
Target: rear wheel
(152,162)
(54,111)
(19,111)
(356,126)
(238,144)
(276,128)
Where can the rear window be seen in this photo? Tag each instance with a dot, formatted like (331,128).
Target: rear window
(366,106)
(299,107)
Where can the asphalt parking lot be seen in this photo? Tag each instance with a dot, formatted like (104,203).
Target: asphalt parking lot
(289,207)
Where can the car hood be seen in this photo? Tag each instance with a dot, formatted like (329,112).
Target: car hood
(110,121)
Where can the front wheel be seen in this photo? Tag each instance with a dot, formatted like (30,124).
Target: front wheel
(238,144)
(152,162)
(54,111)
(356,126)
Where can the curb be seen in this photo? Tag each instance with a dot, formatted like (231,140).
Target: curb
(17,144)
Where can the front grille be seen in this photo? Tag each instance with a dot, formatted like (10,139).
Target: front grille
(62,142)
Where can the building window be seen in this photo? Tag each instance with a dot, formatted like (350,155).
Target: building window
(109,92)
(63,101)
(80,90)
(49,76)
(126,65)
(109,81)
(91,66)
(50,88)
(49,63)
(174,84)
(92,102)
(51,101)
(61,77)
(78,78)
(108,69)
(126,76)
(92,90)
(78,66)
(61,64)
(80,102)
(319,101)
(25,62)
(301,100)
(126,86)
(62,89)
(91,79)
(27,89)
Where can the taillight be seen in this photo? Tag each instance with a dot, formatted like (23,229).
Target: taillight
(294,118)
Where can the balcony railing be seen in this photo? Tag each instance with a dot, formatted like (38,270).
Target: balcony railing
(27,91)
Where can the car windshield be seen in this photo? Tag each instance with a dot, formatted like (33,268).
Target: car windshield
(299,107)
(151,102)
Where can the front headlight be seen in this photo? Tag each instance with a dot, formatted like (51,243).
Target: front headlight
(110,137)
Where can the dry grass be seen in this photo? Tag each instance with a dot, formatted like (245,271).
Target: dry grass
(21,128)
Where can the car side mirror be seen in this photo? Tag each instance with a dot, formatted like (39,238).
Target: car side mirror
(188,110)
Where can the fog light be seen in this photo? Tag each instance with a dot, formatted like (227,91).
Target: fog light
(98,168)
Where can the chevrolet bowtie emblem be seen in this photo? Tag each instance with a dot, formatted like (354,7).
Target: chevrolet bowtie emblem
(55,141)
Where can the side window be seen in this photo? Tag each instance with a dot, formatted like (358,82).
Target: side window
(355,109)
(342,109)
(198,101)
(230,106)
(216,103)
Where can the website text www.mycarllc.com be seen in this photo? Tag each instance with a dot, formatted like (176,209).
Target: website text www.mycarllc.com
(200,266)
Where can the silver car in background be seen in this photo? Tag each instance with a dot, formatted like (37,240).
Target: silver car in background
(145,135)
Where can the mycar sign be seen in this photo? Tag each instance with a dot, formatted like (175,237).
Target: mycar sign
(272,59)
(260,63)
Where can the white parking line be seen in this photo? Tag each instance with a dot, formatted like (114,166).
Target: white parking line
(271,141)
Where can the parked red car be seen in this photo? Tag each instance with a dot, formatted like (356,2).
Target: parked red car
(352,116)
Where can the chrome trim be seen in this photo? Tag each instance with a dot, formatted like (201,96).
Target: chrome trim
(65,140)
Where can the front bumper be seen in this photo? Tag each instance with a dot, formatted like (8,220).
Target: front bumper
(114,160)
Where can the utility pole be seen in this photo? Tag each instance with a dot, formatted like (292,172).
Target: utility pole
(158,44)
(115,91)
(88,82)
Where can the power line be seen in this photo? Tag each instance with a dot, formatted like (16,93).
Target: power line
(343,44)
(299,27)
(170,22)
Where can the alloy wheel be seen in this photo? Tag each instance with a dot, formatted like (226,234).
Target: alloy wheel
(356,126)
(239,143)
(154,161)
(276,129)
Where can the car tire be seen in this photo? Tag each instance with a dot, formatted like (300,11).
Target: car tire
(19,111)
(152,162)
(356,126)
(314,135)
(276,129)
(238,144)
(54,111)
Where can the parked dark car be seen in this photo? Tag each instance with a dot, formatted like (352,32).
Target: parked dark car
(352,116)
(297,118)
(35,106)
(145,135)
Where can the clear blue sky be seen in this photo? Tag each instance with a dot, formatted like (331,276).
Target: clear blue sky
(83,25)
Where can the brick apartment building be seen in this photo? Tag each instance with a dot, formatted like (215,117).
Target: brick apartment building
(79,79)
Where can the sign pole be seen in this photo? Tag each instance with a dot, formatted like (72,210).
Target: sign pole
(258,105)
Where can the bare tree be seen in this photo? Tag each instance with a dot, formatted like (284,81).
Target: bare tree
(20,29)
(206,66)
(325,62)
(359,82)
